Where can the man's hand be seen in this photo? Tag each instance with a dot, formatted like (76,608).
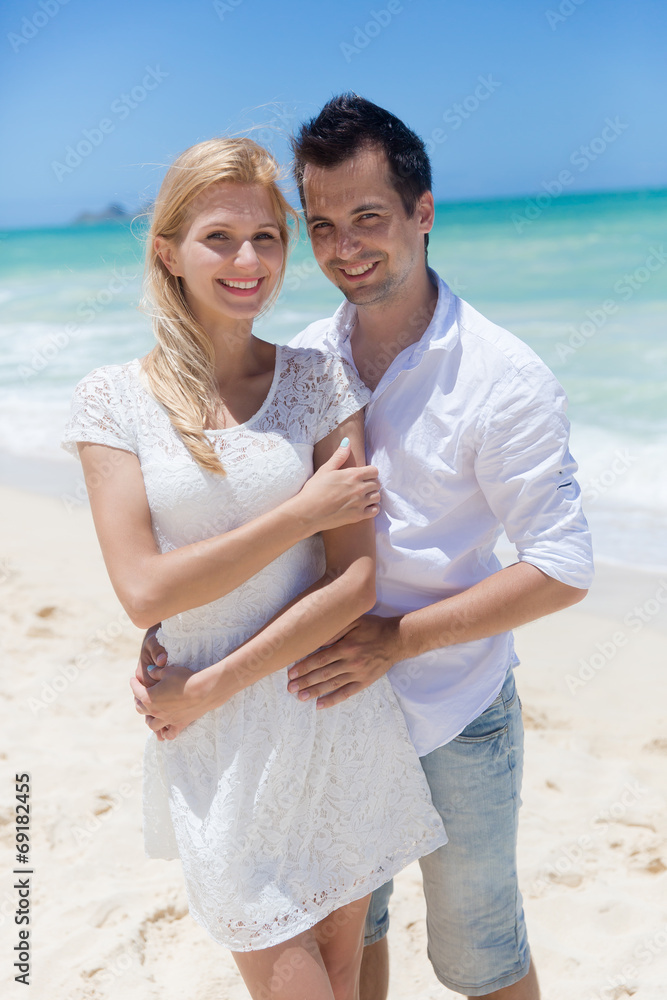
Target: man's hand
(513,596)
(366,651)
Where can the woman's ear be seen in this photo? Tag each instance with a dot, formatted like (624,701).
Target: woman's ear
(165,251)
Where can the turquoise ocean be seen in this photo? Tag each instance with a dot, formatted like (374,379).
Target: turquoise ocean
(582,279)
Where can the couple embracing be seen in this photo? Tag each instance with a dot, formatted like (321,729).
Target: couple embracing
(323,713)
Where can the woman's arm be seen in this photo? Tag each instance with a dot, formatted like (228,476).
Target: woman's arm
(152,585)
(310,620)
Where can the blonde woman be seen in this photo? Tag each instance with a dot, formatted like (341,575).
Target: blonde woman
(199,465)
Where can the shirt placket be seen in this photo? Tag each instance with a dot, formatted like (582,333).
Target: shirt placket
(400,364)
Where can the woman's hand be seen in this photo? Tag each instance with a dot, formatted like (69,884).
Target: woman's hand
(335,496)
(174,699)
(153,655)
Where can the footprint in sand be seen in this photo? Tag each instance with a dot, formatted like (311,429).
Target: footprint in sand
(42,631)
(106,803)
(46,611)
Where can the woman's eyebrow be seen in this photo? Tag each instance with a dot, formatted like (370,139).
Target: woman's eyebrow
(219,224)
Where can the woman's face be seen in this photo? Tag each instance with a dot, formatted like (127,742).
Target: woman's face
(230,254)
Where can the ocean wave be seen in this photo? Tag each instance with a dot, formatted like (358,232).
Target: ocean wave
(623,478)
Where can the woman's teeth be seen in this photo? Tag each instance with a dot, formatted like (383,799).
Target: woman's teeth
(240,284)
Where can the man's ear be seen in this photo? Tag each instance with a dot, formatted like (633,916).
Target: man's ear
(426,212)
(165,251)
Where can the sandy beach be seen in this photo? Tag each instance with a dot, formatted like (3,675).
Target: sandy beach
(108,923)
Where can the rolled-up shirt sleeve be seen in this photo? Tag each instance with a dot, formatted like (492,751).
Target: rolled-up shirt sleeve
(526,472)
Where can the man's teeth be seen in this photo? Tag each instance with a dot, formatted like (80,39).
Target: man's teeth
(359,270)
(240,284)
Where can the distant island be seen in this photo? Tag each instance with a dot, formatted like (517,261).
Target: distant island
(112,213)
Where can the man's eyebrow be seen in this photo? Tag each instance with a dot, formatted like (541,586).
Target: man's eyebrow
(370,207)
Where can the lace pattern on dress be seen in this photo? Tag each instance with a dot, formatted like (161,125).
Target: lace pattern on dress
(279,813)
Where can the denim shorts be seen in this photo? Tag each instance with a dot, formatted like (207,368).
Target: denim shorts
(477,939)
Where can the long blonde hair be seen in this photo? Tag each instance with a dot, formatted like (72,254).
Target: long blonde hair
(179,369)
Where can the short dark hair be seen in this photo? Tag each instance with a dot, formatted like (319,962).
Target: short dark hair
(349,123)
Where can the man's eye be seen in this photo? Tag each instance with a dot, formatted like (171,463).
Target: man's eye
(319,225)
(369,215)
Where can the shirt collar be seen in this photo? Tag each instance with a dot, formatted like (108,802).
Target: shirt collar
(441,333)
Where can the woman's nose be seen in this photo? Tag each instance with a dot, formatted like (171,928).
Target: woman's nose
(246,255)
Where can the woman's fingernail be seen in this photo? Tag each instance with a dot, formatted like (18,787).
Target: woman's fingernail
(344,443)
(304,696)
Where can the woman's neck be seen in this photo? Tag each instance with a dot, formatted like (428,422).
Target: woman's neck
(238,354)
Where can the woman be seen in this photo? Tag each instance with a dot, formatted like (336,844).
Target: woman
(198,462)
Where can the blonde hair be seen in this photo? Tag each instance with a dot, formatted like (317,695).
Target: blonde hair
(179,369)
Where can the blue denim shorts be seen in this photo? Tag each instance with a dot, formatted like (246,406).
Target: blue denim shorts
(477,939)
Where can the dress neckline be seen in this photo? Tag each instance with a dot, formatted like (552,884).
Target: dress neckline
(267,400)
(246,423)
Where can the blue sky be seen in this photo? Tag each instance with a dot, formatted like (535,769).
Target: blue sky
(505,93)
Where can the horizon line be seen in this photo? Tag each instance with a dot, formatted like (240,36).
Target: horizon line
(565,197)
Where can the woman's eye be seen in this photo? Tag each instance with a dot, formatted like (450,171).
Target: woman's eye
(265,236)
(215,236)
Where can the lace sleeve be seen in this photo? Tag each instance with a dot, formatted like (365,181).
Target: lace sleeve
(342,393)
(97,416)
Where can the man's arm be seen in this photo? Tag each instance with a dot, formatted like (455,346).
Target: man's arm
(524,468)
(514,596)
(509,598)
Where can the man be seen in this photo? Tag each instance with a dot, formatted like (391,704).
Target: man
(467,428)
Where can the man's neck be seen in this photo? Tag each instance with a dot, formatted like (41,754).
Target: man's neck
(383,330)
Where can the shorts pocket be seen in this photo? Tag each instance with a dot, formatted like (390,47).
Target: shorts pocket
(464,738)
(493,721)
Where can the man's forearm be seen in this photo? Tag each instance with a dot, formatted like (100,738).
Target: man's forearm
(514,596)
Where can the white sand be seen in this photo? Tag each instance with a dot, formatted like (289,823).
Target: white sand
(109,923)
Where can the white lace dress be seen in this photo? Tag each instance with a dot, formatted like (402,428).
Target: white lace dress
(279,813)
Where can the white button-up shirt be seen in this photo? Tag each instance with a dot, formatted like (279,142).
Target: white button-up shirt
(467,428)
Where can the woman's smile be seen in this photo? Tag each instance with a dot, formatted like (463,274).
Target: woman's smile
(241,286)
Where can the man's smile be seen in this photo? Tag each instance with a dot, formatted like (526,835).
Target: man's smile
(358,271)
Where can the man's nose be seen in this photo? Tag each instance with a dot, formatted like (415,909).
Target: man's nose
(347,244)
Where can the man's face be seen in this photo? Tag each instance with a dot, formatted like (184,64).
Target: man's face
(361,236)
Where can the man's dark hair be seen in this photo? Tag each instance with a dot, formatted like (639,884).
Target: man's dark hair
(348,124)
